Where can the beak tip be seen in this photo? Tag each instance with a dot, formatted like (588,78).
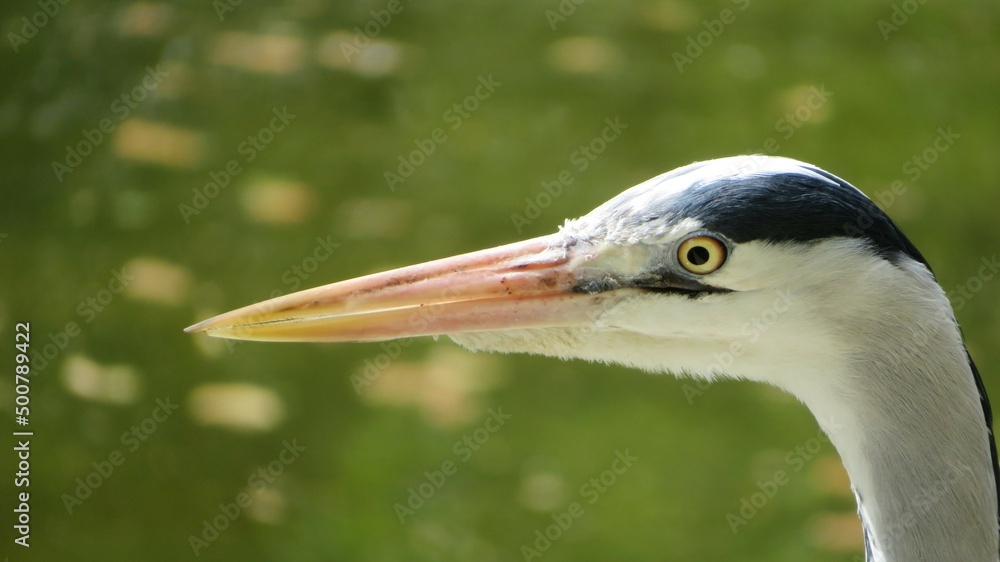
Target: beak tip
(198,327)
(216,327)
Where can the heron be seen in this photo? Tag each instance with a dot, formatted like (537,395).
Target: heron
(665,276)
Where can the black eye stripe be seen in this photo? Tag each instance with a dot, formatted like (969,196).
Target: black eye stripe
(661,282)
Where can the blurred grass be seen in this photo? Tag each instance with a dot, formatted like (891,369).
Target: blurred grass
(323,177)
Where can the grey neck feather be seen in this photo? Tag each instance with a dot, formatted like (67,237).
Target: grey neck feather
(909,425)
(923,474)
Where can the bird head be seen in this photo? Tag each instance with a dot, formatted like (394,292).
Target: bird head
(751,267)
(747,267)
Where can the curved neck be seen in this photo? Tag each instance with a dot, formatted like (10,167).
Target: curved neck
(911,431)
(890,381)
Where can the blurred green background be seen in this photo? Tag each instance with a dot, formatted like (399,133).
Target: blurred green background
(152,444)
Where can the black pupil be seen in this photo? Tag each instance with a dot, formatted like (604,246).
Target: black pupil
(698,255)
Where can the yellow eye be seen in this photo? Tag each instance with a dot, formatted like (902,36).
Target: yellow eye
(702,254)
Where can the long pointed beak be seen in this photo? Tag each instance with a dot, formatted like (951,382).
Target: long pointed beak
(528,284)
